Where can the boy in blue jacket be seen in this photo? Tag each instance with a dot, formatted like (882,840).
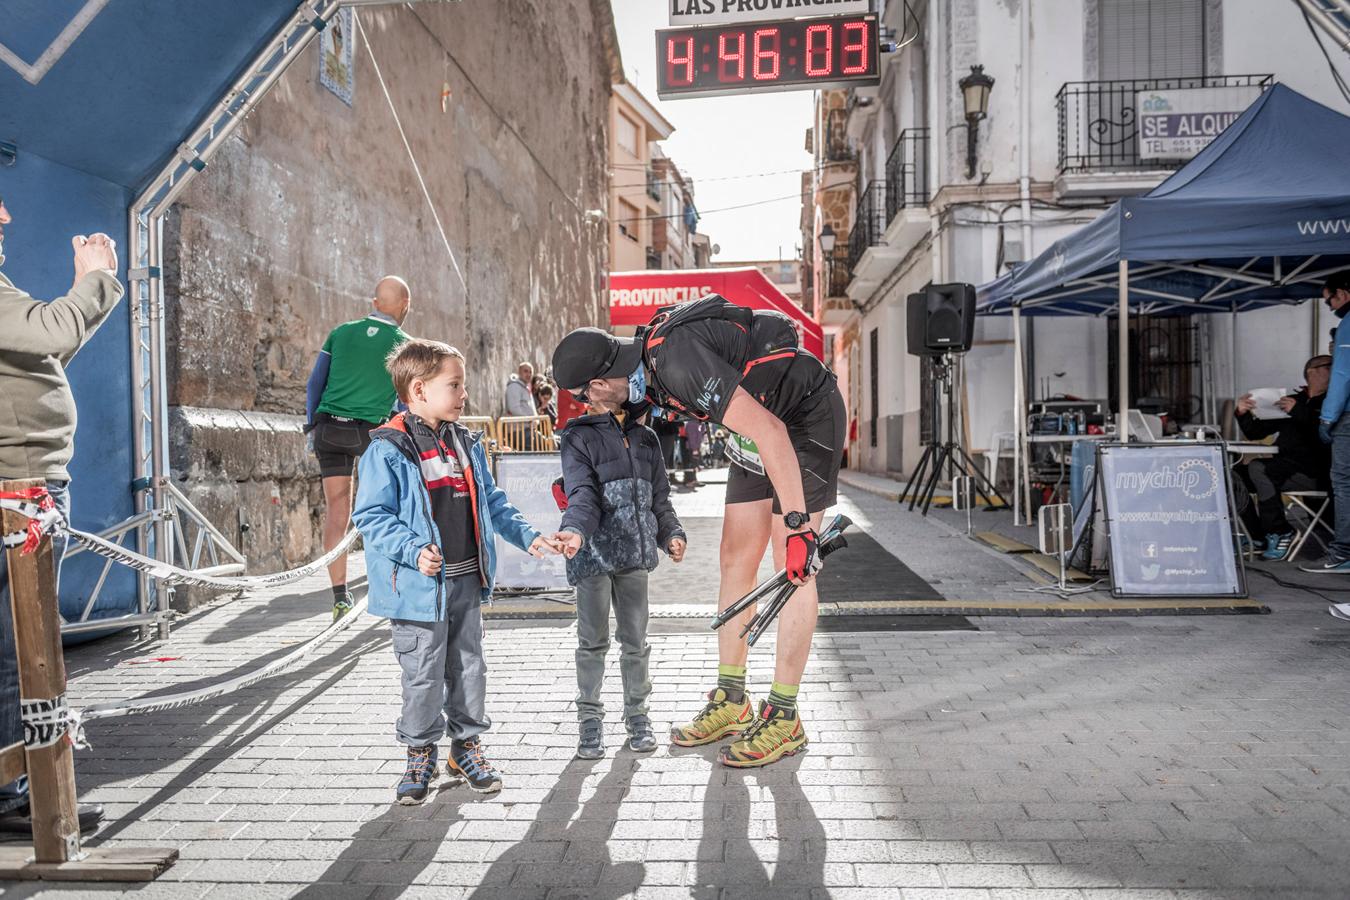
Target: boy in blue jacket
(429,513)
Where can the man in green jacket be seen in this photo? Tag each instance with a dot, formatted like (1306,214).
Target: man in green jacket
(37,438)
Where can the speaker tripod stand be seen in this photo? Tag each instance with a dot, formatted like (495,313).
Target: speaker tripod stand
(948,455)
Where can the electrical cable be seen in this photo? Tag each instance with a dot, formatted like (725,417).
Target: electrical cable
(708,212)
(1301,587)
(417,170)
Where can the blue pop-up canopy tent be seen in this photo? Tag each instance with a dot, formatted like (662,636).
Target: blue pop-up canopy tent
(107,109)
(1261,216)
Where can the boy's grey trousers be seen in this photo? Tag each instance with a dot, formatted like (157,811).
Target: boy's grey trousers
(626,592)
(444,673)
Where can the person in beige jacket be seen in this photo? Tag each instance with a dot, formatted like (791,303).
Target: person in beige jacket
(37,438)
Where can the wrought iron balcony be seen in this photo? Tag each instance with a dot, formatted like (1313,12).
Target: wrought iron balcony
(838,272)
(653,184)
(869,224)
(835,146)
(1098,122)
(653,259)
(907,172)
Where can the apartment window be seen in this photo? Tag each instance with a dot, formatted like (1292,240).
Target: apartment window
(874,375)
(630,220)
(1151,38)
(628,134)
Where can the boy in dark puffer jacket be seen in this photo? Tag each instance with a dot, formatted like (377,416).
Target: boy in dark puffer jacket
(618,513)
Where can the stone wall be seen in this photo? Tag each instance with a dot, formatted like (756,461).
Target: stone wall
(285,234)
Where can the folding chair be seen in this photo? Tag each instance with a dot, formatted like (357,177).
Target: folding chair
(1314,505)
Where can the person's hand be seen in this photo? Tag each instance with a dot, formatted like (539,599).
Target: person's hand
(801,553)
(95,253)
(1246,404)
(676,549)
(568,543)
(1286,403)
(1324,431)
(542,546)
(429,561)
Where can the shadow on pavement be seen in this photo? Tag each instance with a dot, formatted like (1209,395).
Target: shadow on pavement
(529,868)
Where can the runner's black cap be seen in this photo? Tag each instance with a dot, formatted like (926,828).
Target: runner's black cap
(1339,281)
(592,353)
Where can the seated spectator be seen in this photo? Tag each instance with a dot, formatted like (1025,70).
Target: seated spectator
(1302,464)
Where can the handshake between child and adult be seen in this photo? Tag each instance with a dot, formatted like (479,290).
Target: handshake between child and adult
(430,560)
(569,544)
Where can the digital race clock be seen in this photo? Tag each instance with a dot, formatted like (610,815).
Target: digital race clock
(795,54)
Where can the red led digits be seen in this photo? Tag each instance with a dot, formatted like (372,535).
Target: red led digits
(819,50)
(768,47)
(677,59)
(858,47)
(731,65)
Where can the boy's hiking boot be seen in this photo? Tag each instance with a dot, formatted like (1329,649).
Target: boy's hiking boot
(720,718)
(467,761)
(591,743)
(640,737)
(775,734)
(417,778)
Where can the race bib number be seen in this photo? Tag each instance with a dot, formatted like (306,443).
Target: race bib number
(745,454)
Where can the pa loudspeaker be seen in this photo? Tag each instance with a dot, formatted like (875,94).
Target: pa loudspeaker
(941,319)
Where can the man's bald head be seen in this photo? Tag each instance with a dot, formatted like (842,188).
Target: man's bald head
(393,298)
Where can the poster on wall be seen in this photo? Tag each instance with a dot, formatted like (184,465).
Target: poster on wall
(527,479)
(1168,520)
(335,56)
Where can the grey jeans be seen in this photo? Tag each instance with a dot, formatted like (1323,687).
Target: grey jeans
(626,592)
(444,672)
(15,794)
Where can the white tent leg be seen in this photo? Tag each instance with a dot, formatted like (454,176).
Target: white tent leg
(1123,354)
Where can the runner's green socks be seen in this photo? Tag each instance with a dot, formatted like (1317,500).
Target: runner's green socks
(731,679)
(783,696)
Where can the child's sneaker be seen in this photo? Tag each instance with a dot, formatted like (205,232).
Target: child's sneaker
(640,737)
(467,760)
(591,743)
(417,778)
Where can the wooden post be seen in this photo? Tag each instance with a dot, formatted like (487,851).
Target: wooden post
(42,676)
(56,853)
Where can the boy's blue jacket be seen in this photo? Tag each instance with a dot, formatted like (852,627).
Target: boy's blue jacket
(393,514)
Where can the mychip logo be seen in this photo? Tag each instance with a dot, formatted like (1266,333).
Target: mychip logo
(1195,478)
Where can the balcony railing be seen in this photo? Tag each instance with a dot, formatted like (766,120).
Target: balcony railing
(1098,122)
(653,259)
(838,272)
(869,225)
(653,185)
(907,172)
(836,148)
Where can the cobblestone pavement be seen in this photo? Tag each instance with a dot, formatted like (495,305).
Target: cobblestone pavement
(1201,757)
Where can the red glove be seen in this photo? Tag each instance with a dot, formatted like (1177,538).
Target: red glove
(560,494)
(801,552)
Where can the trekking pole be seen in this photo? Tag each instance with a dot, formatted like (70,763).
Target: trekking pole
(780,586)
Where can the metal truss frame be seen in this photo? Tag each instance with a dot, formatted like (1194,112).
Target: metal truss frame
(164,514)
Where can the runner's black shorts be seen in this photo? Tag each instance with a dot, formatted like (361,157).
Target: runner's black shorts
(818,437)
(338,443)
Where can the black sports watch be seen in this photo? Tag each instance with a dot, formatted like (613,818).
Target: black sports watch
(796,520)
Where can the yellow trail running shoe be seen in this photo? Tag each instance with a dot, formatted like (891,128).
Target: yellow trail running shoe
(775,734)
(720,718)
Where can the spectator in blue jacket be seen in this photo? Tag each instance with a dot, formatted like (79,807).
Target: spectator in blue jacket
(1334,426)
(617,514)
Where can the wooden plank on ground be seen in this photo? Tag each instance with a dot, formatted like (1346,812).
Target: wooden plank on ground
(98,864)
(1050,566)
(1002,543)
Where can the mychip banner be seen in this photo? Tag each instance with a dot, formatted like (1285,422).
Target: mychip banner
(527,479)
(1168,520)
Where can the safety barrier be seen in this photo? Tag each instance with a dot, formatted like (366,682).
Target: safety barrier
(525,434)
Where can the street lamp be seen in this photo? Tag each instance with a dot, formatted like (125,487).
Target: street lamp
(975,89)
(827,238)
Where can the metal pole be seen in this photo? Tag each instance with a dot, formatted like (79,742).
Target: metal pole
(1232,355)
(1018,418)
(1123,354)
(159,405)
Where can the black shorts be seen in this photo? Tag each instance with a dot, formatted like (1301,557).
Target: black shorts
(338,442)
(818,438)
